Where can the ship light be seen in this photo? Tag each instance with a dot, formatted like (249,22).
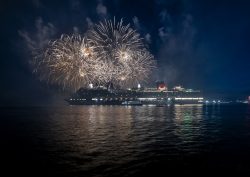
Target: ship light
(178,98)
(146,99)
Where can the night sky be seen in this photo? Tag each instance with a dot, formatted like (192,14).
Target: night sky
(198,44)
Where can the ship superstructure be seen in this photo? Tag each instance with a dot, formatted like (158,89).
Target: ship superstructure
(159,95)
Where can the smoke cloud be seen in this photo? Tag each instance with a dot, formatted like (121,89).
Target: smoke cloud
(41,36)
(89,22)
(148,38)
(101,9)
(176,49)
(136,23)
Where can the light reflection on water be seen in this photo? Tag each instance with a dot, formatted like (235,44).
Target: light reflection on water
(118,135)
(122,141)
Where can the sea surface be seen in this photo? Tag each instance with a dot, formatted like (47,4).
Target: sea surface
(95,141)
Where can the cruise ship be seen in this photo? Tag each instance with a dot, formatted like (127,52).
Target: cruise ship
(158,95)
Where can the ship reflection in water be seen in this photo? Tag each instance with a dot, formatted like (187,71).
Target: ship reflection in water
(128,141)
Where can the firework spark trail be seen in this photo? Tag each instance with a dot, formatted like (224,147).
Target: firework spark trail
(109,52)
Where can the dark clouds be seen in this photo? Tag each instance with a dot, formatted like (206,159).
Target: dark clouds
(176,49)
(41,36)
(200,44)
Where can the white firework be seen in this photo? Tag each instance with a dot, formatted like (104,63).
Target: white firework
(109,52)
(68,61)
(122,49)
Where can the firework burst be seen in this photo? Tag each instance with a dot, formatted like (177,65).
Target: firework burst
(110,52)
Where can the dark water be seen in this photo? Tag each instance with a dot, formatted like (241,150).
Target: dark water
(125,141)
